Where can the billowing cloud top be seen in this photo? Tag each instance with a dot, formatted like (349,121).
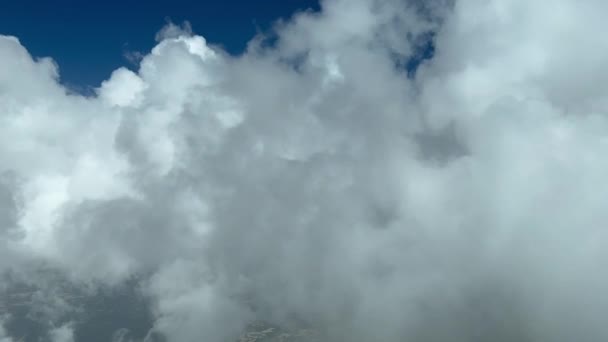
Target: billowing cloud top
(314,180)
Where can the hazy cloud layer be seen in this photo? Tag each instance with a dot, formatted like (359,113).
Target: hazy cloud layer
(311,181)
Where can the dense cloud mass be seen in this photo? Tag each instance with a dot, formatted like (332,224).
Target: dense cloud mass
(319,180)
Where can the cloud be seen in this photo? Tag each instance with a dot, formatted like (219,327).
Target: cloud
(63,333)
(311,182)
(174,31)
(3,335)
(124,88)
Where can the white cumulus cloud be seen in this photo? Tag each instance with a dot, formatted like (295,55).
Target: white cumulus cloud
(313,179)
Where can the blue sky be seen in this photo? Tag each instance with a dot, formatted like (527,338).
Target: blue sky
(88,39)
